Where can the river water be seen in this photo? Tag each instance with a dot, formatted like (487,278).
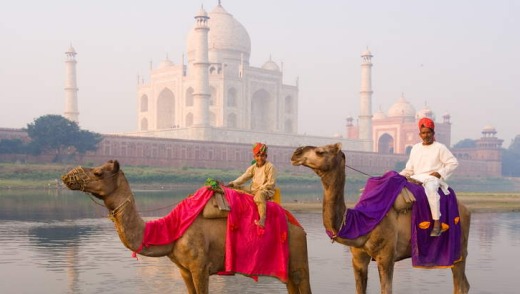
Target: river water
(61,242)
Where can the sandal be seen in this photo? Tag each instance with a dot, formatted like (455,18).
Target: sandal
(436,232)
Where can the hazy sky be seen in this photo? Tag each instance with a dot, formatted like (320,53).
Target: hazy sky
(460,57)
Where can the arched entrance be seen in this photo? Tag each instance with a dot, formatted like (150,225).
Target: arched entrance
(385,144)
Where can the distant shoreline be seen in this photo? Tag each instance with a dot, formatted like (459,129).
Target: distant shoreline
(476,202)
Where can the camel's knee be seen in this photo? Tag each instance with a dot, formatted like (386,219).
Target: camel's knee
(299,282)
(299,276)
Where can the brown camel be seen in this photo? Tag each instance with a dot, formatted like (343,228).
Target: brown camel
(199,253)
(390,240)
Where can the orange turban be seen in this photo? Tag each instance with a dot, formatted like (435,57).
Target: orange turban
(426,123)
(259,148)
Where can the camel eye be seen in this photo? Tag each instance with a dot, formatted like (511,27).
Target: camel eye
(98,172)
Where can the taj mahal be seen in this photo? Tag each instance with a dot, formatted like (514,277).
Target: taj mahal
(217,96)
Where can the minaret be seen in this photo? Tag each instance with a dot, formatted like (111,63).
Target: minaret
(365,112)
(71,87)
(201,92)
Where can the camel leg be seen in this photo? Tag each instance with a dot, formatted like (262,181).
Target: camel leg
(460,281)
(299,277)
(299,282)
(360,261)
(188,281)
(385,267)
(201,281)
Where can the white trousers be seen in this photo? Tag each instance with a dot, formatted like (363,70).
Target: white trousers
(431,186)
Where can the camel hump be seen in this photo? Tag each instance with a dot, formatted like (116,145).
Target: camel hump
(404,200)
(216,207)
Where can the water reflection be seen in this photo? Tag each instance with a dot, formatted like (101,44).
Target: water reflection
(65,242)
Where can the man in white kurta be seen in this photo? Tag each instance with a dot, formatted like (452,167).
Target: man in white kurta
(431,163)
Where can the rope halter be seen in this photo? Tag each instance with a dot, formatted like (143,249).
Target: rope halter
(76,178)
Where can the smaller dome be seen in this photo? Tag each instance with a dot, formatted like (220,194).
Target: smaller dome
(425,112)
(379,115)
(366,53)
(165,63)
(401,108)
(350,120)
(271,65)
(489,129)
(202,13)
(71,50)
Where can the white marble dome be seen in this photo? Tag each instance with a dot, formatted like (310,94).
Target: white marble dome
(271,65)
(225,33)
(401,108)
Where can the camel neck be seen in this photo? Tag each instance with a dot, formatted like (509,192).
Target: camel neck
(333,198)
(128,222)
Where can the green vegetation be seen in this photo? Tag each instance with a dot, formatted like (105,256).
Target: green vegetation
(54,134)
(511,159)
(38,176)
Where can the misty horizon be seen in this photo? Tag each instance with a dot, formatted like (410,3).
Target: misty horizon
(457,58)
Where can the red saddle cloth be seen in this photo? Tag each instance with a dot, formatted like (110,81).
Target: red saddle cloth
(250,250)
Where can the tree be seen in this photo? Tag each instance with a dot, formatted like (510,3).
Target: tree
(55,133)
(87,141)
(511,159)
(466,143)
(11,146)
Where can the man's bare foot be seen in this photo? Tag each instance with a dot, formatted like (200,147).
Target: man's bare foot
(260,223)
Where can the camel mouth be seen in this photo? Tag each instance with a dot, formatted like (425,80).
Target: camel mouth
(296,162)
(297,157)
(76,179)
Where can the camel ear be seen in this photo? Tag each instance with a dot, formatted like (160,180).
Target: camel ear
(116,166)
(337,147)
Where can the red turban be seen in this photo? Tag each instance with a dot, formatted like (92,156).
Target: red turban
(259,148)
(426,123)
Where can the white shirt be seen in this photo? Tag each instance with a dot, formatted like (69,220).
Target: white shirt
(425,159)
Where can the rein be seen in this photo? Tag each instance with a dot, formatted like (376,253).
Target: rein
(361,172)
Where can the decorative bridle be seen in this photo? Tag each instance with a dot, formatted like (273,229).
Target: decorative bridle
(77,176)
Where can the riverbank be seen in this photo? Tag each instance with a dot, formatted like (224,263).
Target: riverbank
(476,202)
(493,195)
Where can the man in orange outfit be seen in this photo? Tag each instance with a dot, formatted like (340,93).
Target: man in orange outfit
(262,174)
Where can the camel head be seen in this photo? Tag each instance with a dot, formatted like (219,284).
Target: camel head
(319,159)
(99,181)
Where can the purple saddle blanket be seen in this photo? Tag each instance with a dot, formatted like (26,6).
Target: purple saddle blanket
(377,199)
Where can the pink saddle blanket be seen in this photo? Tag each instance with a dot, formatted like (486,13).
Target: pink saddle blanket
(250,250)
